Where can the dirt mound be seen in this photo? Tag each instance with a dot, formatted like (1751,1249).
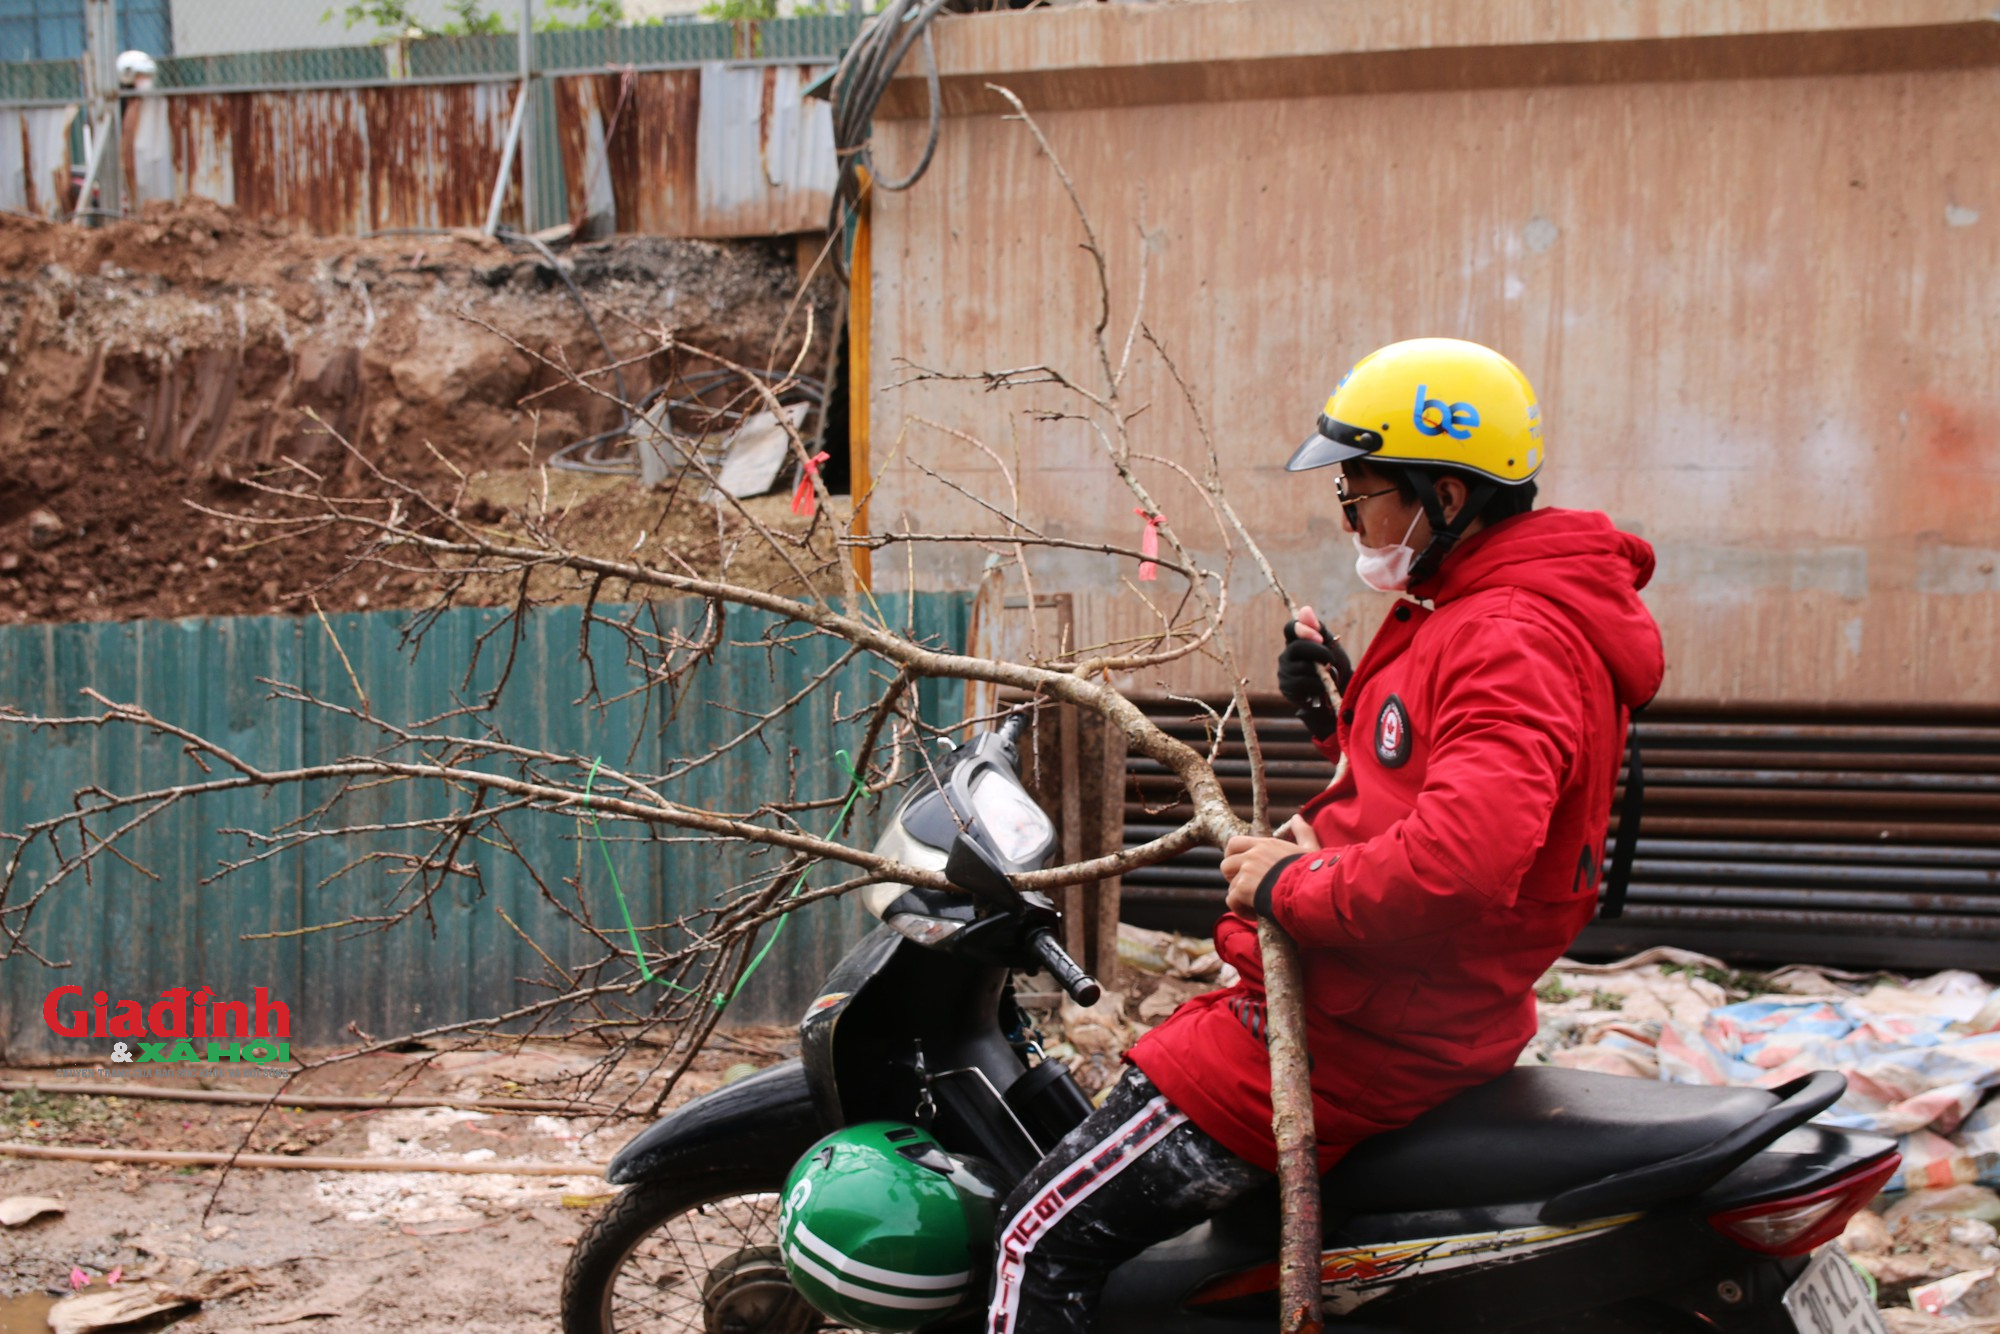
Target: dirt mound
(165,360)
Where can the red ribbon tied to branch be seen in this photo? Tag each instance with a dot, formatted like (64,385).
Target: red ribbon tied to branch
(804,500)
(1149,544)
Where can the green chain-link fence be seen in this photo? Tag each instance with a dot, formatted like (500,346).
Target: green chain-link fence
(41,81)
(812,38)
(332,64)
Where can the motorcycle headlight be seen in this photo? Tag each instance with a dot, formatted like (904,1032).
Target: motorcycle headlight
(1017,826)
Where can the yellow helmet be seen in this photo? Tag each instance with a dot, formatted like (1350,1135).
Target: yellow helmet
(1441,402)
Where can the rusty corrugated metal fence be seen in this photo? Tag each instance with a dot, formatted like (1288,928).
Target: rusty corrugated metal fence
(722,150)
(714,151)
(693,129)
(134,933)
(35,158)
(328,161)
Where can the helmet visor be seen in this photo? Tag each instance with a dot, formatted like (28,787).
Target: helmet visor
(1334,442)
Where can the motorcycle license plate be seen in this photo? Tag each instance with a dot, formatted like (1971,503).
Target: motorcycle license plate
(1830,1298)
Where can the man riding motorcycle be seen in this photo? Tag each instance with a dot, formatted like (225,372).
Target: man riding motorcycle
(1452,861)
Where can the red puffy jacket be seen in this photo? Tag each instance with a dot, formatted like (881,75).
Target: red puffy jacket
(1461,849)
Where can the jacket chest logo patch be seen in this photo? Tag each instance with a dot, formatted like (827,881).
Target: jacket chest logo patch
(1392,734)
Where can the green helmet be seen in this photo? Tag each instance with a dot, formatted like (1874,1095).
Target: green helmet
(885,1231)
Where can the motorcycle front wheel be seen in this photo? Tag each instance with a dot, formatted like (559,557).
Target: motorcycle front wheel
(689,1252)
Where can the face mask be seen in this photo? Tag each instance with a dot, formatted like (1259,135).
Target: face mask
(1386,569)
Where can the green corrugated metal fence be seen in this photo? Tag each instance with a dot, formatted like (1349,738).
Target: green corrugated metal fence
(134,934)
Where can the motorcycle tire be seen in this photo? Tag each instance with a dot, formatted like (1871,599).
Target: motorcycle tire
(727,1285)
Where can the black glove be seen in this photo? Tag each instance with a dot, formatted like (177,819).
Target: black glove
(1300,684)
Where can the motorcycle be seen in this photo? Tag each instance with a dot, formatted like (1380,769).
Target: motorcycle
(1549,1201)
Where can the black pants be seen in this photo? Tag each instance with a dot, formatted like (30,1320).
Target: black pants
(1135,1173)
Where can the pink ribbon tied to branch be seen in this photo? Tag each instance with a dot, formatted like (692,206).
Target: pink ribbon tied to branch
(804,500)
(1149,544)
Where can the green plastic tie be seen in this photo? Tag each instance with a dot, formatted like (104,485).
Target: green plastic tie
(631,931)
(854,791)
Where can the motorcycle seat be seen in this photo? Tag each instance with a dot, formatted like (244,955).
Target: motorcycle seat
(1531,1134)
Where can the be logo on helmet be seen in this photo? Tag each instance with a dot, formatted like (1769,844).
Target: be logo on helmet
(1436,417)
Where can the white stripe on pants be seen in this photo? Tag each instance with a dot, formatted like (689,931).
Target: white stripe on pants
(1102,1162)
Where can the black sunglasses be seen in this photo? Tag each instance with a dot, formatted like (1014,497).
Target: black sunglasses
(1350,505)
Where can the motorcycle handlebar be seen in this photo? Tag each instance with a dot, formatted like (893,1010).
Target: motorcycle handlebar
(1069,975)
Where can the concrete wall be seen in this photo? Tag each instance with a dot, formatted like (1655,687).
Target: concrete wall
(1749,254)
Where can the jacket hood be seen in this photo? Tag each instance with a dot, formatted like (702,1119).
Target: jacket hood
(1590,570)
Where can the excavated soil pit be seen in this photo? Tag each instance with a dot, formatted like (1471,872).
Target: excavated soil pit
(170,361)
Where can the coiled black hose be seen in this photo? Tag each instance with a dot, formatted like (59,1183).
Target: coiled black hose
(858,84)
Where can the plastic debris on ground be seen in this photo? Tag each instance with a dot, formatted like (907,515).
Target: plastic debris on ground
(1925,1238)
(1922,1059)
(113,1307)
(102,1302)
(1970,1293)
(1906,1321)
(428,1201)
(1178,968)
(18,1209)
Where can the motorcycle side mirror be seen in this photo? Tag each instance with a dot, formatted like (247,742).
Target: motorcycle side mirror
(973,869)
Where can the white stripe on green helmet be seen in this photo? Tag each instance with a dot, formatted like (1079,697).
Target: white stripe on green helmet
(890,1299)
(888,1278)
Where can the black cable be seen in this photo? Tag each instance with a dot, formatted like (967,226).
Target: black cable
(937,122)
(869,48)
(917,26)
(576,456)
(610,357)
